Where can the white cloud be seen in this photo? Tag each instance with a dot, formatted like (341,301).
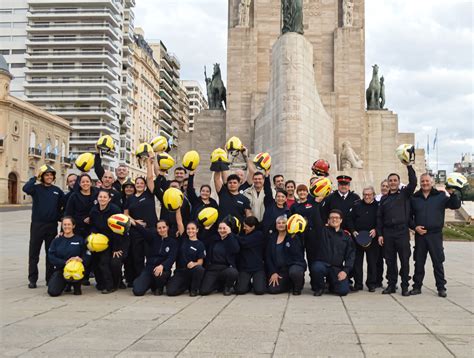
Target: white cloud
(423,48)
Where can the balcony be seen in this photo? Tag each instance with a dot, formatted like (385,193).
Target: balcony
(34,152)
(72,97)
(74,83)
(50,157)
(103,127)
(102,41)
(83,112)
(48,13)
(103,56)
(66,161)
(83,70)
(73,28)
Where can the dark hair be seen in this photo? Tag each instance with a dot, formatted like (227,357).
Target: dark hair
(141,178)
(277,176)
(394,174)
(337,211)
(282,191)
(192,222)
(233,177)
(70,175)
(69,218)
(84,175)
(258,174)
(163,221)
(290,182)
(180,168)
(205,186)
(104,191)
(251,221)
(174,181)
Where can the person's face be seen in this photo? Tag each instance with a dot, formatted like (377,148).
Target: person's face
(162,229)
(248,229)
(122,172)
(191,230)
(393,183)
(223,230)
(68,226)
(258,181)
(241,175)
(71,181)
(107,180)
(280,182)
(290,188)
(426,183)
(184,186)
(179,175)
(343,187)
(103,198)
(384,188)
(175,185)
(334,220)
(281,225)
(129,190)
(140,186)
(368,196)
(85,183)
(280,199)
(48,178)
(302,194)
(205,193)
(233,185)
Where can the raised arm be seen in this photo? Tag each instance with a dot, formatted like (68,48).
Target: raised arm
(412,181)
(267,190)
(251,169)
(218,181)
(179,222)
(29,187)
(190,190)
(454,201)
(149,174)
(98,168)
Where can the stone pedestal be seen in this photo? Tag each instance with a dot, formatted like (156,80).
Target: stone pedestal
(293,125)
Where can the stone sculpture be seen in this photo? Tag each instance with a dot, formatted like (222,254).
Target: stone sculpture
(373,91)
(216,92)
(244,13)
(382,93)
(347,13)
(349,158)
(292,13)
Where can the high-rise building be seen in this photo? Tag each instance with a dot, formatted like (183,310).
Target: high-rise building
(197,100)
(183,112)
(146,86)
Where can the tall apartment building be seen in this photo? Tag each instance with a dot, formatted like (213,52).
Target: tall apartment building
(183,112)
(169,91)
(197,100)
(146,87)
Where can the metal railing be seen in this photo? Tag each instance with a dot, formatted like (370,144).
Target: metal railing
(34,151)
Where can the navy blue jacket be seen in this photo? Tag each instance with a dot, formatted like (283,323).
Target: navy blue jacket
(79,207)
(252,250)
(231,246)
(163,251)
(98,223)
(189,251)
(48,201)
(196,202)
(62,249)
(362,216)
(429,212)
(293,249)
(272,211)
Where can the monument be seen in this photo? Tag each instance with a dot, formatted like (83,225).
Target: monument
(296,88)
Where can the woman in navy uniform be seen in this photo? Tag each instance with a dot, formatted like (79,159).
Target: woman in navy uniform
(285,260)
(274,208)
(202,201)
(64,248)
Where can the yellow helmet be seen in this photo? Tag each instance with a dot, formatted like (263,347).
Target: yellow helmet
(406,153)
(263,161)
(73,271)
(143,150)
(456,180)
(46,168)
(234,144)
(191,160)
(173,199)
(219,155)
(119,223)
(85,162)
(165,161)
(106,143)
(296,224)
(208,216)
(97,242)
(159,144)
(320,187)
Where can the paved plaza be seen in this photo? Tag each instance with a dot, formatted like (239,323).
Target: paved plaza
(119,324)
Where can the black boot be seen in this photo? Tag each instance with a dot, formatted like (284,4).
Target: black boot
(389,290)
(193,293)
(77,290)
(318,293)
(405,292)
(415,291)
(32,285)
(227,291)
(442,293)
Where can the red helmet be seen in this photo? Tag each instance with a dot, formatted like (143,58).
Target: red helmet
(321,167)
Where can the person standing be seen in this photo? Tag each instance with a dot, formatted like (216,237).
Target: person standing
(393,218)
(428,207)
(290,187)
(384,189)
(48,202)
(231,201)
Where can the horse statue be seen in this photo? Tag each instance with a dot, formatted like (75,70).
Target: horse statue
(373,92)
(216,92)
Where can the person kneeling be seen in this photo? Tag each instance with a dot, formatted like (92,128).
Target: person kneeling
(285,260)
(163,250)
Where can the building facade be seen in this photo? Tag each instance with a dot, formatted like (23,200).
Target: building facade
(465,166)
(183,109)
(197,100)
(29,138)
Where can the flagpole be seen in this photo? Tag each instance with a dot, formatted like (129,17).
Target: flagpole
(437,149)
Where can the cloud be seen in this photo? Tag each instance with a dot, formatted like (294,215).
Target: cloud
(423,48)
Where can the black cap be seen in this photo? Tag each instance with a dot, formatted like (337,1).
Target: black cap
(344,179)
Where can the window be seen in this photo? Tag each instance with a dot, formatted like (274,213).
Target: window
(5,38)
(32,139)
(4,52)
(19,25)
(5,25)
(18,52)
(19,38)
(20,11)
(17,65)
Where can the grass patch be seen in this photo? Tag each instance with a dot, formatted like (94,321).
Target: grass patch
(450,234)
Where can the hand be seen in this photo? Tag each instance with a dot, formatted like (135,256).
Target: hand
(117,254)
(192,172)
(191,265)
(132,221)
(87,220)
(355,234)
(450,190)
(421,230)
(244,151)
(372,233)
(274,280)
(75,258)
(341,276)
(381,240)
(59,234)
(141,222)
(158,271)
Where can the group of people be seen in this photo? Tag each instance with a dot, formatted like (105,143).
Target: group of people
(249,247)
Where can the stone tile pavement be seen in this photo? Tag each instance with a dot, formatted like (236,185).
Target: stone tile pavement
(360,325)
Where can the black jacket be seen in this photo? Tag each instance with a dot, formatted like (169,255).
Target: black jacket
(99,171)
(196,202)
(162,251)
(335,201)
(293,249)
(394,208)
(252,249)
(272,211)
(79,207)
(98,223)
(429,211)
(231,244)
(362,216)
(48,201)
(333,247)
(62,249)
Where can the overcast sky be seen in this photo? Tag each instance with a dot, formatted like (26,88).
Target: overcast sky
(424,49)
